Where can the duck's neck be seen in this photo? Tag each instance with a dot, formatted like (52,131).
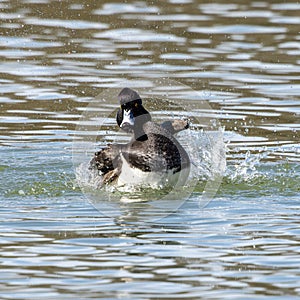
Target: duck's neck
(139,134)
(140,121)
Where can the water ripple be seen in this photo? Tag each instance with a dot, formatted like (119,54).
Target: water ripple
(242,58)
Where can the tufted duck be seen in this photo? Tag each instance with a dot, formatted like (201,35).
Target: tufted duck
(153,156)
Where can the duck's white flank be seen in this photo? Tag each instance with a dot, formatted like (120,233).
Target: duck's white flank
(134,176)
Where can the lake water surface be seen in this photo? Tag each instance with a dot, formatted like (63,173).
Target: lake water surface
(242,58)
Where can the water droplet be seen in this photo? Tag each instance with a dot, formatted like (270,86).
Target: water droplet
(21,192)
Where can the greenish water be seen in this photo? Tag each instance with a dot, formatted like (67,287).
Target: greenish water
(57,57)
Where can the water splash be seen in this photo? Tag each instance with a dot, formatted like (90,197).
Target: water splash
(254,174)
(245,170)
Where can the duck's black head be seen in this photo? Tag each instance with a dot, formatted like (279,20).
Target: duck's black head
(132,115)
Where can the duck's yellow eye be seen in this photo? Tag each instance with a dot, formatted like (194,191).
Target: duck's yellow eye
(136,104)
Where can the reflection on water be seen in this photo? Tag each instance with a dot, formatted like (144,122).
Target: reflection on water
(242,57)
